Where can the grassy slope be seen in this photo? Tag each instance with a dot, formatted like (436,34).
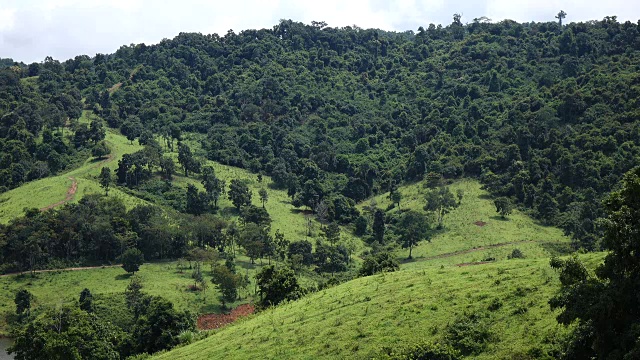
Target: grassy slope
(163,279)
(358,318)
(44,192)
(461,233)
(286,218)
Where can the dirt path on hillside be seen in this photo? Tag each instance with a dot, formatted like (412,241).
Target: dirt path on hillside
(103,161)
(462,252)
(65,269)
(70,194)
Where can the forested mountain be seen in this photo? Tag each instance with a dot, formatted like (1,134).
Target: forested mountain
(545,115)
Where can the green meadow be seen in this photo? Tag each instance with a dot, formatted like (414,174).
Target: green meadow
(358,319)
(461,232)
(45,192)
(164,279)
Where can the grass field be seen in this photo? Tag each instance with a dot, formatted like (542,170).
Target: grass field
(460,232)
(163,279)
(44,192)
(359,318)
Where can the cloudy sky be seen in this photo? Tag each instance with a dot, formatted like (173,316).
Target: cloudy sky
(33,29)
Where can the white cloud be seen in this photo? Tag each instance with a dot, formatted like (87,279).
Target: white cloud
(33,29)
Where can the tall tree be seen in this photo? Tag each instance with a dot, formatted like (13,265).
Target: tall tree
(378,225)
(413,227)
(131,260)
(264,196)
(440,201)
(503,206)
(606,305)
(105,178)
(239,193)
(561,15)
(213,186)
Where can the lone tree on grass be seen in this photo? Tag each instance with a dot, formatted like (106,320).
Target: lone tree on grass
(23,302)
(105,179)
(264,196)
(131,260)
(504,206)
(413,227)
(277,285)
(86,300)
(395,197)
(100,150)
(239,193)
(440,201)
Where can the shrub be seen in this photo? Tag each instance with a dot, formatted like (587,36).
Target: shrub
(469,334)
(516,254)
(381,262)
(423,351)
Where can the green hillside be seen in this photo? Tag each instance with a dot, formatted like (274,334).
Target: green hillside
(496,238)
(360,318)
(48,191)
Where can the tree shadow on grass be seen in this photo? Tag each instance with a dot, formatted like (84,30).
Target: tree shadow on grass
(557,248)
(499,218)
(485,197)
(247,264)
(301,212)
(123,276)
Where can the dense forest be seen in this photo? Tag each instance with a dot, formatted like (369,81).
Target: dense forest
(545,115)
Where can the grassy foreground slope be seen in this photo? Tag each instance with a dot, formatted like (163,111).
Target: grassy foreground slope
(359,318)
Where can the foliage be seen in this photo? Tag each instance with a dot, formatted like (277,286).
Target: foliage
(66,333)
(239,193)
(516,254)
(605,305)
(503,206)
(105,179)
(100,150)
(424,351)
(277,285)
(440,201)
(227,282)
(23,302)
(86,300)
(302,248)
(413,227)
(131,260)
(380,262)
(469,334)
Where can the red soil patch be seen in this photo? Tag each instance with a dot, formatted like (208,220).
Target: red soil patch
(216,321)
(480,223)
(70,194)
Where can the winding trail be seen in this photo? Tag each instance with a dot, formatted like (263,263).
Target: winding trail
(65,269)
(468,251)
(70,195)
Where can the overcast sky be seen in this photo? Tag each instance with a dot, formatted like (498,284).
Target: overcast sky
(33,29)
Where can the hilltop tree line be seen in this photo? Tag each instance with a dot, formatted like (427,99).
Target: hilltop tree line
(543,113)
